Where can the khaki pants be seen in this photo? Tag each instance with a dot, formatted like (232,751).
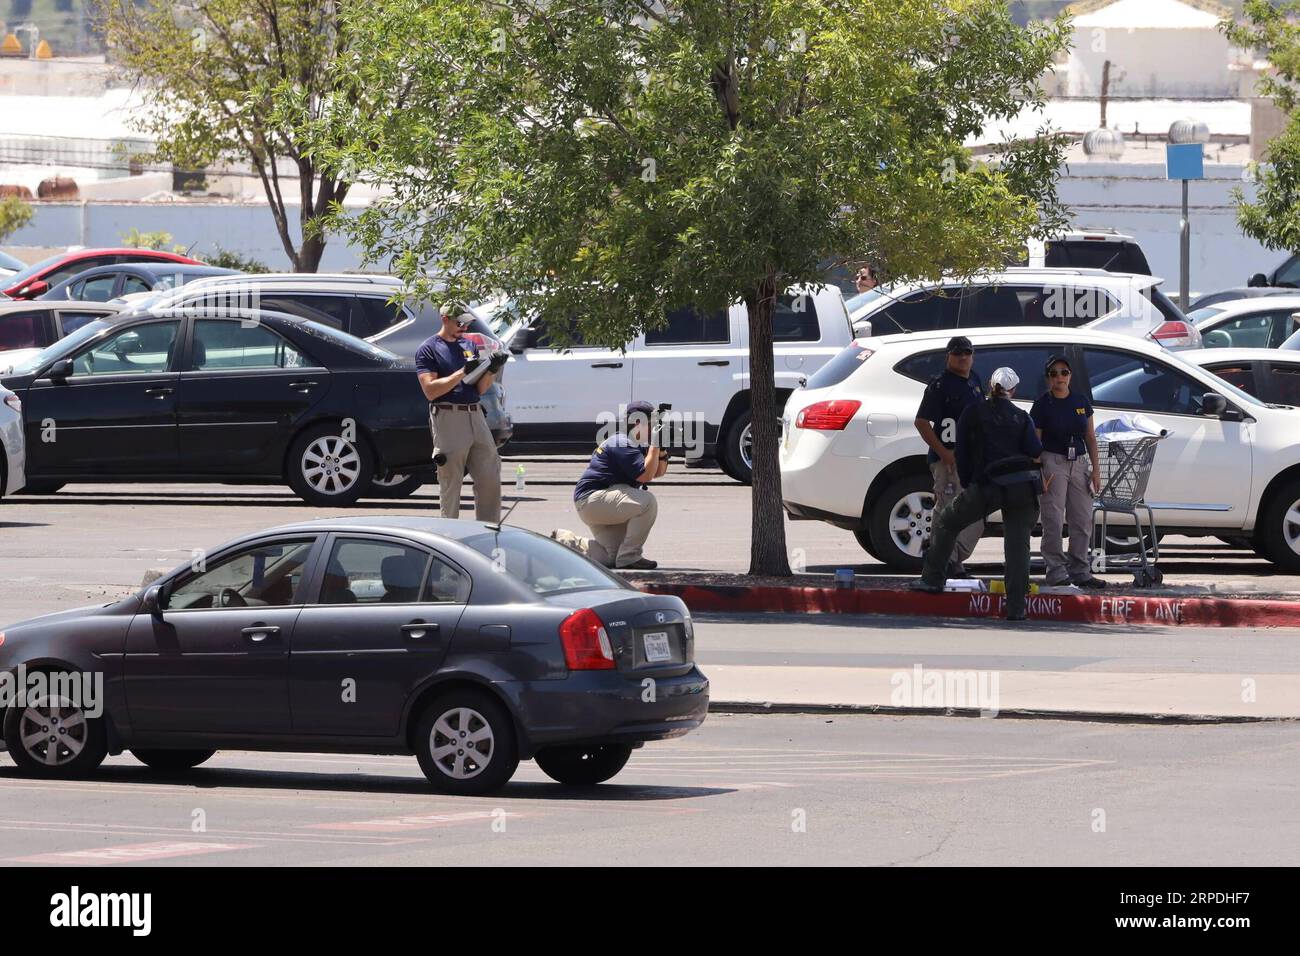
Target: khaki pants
(620,518)
(1067,500)
(463,436)
(970,536)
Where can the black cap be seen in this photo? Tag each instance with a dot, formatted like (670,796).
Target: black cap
(959,342)
(1057,358)
(645,408)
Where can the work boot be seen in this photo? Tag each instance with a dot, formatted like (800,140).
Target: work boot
(1092,584)
(924,586)
(640,564)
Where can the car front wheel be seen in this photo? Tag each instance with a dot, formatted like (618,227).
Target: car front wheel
(901,521)
(53,737)
(328,467)
(583,766)
(465,742)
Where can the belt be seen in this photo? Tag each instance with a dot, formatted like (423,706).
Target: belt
(448,407)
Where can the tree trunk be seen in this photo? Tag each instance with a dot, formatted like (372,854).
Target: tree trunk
(767,551)
(309,255)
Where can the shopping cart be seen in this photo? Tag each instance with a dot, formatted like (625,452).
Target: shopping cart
(1125,470)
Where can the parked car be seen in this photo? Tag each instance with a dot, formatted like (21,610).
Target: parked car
(1263,322)
(106,283)
(1271,375)
(466,667)
(28,327)
(1227,295)
(1111,301)
(247,397)
(13,446)
(9,265)
(850,455)
(36,280)
(1286,274)
(699,364)
(1088,247)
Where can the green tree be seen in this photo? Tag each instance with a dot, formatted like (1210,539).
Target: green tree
(162,239)
(240,81)
(1273,216)
(14,214)
(617,159)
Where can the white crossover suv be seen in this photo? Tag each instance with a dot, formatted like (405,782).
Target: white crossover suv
(13,451)
(851,456)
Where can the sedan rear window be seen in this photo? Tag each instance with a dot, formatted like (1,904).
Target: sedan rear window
(546,566)
(839,368)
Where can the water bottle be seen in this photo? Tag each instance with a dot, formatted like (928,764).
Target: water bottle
(519,478)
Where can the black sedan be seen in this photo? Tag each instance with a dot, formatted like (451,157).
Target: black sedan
(472,646)
(231,396)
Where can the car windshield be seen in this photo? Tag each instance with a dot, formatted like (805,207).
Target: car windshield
(1292,344)
(33,270)
(546,566)
(1200,316)
(9,262)
(501,315)
(60,349)
(863,299)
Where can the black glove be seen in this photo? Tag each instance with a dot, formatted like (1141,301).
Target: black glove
(498,361)
(471,364)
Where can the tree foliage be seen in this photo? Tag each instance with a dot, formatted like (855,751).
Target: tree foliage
(241,81)
(615,159)
(14,214)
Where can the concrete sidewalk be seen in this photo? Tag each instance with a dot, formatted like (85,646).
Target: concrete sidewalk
(1007,693)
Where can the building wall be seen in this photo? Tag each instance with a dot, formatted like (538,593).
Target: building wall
(1156,63)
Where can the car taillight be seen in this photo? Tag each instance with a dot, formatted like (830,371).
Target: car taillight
(1174,334)
(481,342)
(586,645)
(828,416)
(14,402)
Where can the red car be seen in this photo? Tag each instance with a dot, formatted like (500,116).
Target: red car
(38,279)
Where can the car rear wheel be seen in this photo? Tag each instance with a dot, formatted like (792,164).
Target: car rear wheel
(736,453)
(329,469)
(53,737)
(395,486)
(171,760)
(583,766)
(863,537)
(1279,528)
(465,742)
(901,520)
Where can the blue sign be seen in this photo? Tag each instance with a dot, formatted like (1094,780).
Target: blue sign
(1184,161)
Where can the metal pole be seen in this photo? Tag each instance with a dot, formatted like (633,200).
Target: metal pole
(1184,254)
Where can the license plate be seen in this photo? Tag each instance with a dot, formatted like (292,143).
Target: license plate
(656,647)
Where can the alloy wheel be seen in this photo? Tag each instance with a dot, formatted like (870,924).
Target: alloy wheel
(747,446)
(53,731)
(461,743)
(1291,527)
(910,521)
(331,465)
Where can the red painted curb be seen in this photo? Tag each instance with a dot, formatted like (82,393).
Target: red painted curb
(1086,609)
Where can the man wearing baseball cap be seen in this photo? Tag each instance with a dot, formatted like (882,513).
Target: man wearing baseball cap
(611,497)
(997,460)
(947,396)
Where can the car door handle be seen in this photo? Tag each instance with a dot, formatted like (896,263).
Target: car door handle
(608,365)
(721,362)
(260,632)
(159,392)
(417,629)
(303,386)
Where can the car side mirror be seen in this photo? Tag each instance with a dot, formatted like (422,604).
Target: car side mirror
(60,369)
(521,340)
(155,600)
(1212,403)
(35,287)
(1257,281)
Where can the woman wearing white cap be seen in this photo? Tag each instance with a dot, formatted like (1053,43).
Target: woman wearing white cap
(997,463)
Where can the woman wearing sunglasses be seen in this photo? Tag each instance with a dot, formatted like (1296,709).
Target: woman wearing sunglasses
(1063,419)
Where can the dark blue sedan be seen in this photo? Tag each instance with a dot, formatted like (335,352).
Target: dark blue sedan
(472,646)
(105,283)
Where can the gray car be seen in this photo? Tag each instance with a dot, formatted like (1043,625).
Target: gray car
(472,646)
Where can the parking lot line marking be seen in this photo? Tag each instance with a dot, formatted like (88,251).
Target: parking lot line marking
(424,821)
(54,826)
(131,853)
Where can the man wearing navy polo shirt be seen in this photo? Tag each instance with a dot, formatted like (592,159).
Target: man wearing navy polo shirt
(456,418)
(611,499)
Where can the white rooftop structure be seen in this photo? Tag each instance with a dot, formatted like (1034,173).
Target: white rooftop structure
(1147,15)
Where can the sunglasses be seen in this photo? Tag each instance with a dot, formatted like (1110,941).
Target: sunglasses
(962,352)
(1059,373)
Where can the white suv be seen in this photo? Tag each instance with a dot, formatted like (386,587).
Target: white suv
(1114,301)
(851,456)
(698,364)
(13,457)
